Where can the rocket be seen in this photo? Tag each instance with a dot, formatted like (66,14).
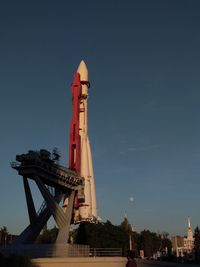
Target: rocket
(80,156)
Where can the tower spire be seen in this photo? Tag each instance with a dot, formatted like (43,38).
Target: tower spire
(189,224)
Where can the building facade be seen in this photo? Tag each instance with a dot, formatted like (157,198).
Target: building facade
(183,245)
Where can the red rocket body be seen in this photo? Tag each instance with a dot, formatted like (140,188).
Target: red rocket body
(75,145)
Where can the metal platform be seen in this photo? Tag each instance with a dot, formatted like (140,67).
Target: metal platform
(52,175)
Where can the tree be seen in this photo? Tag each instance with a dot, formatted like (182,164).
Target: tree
(126,226)
(129,235)
(48,236)
(3,235)
(102,235)
(197,244)
(149,242)
(81,234)
(165,243)
(107,235)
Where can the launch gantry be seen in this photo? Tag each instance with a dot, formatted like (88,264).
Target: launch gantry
(55,182)
(73,186)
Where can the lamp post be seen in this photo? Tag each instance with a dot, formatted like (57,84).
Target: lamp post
(130,228)
(130,238)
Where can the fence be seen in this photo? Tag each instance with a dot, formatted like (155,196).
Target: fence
(105,252)
(61,251)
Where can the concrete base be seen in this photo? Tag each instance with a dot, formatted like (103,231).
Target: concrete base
(80,262)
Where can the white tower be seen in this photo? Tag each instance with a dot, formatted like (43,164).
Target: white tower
(189,231)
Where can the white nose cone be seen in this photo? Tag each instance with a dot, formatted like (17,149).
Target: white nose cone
(83,71)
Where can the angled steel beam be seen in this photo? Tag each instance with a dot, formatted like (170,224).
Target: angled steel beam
(55,209)
(29,200)
(31,232)
(63,234)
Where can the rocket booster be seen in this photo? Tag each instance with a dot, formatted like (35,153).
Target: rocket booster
(80,157)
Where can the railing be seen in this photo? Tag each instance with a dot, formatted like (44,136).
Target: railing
(42,207)
(48,250)
(58,251)
(105,252)
(53,173)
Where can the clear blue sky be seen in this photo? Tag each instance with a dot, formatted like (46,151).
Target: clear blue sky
(144,63)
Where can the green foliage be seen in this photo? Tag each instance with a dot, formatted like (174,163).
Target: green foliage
(4,230)
(107,235)
(197,244)
(102,235)
(3,235)
(151,242)
(126,226)
(165,242)
(80,234)
(48,236)
(148,242)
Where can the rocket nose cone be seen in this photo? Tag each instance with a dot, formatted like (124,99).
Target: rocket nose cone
(83,71)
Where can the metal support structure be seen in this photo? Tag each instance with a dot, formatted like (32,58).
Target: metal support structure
(63,234)
(32,231)
(47,175)
(29,200)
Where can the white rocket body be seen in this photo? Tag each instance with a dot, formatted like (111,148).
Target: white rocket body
(87,209)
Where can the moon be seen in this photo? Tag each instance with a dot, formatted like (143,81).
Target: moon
(131,199)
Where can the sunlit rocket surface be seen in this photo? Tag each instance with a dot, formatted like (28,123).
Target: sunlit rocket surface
(80,157)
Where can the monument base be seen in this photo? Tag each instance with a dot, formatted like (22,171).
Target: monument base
(79,262)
